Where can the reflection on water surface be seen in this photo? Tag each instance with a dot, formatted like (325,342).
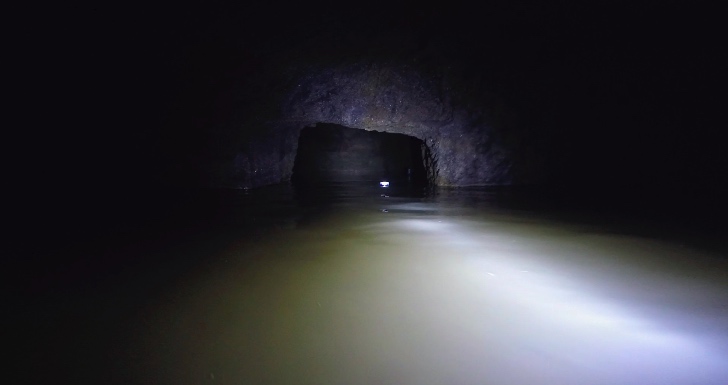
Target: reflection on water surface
(467,286)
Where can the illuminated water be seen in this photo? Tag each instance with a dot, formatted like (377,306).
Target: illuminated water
(465,286)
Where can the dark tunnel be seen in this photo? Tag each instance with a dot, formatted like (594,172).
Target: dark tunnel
(330,153)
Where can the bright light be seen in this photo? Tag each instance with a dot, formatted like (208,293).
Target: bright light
(384,183)
(432,295)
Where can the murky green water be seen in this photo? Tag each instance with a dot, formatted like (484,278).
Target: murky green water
(342,285)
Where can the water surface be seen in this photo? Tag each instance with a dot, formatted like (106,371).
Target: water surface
(357,284)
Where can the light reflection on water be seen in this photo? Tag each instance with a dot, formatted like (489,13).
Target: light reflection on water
(455,287)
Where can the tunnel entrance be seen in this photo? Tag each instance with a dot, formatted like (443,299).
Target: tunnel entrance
(333,153)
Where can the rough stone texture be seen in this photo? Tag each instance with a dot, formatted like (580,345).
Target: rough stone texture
(466,145)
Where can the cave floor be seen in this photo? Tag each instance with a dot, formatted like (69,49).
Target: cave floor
(453,288)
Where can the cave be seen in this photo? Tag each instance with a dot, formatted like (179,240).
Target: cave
(331,153)
(194,194)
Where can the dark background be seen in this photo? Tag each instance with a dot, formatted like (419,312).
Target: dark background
(330,153)
(116,103)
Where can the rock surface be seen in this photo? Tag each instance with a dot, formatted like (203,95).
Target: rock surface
(466,142)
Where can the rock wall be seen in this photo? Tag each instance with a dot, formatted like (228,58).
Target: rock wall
(465,144)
